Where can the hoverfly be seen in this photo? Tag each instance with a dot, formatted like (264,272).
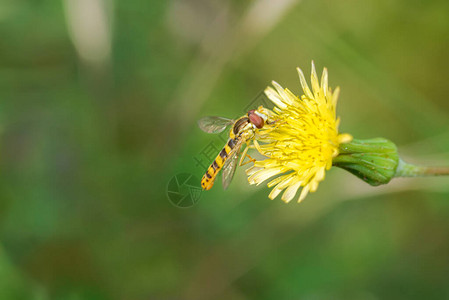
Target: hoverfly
(243,131)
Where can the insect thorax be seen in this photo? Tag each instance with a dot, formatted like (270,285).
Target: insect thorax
(239,125)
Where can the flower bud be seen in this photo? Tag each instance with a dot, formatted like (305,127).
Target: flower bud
(374,160)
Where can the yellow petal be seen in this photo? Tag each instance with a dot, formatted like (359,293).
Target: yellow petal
(324,84)
(304,192)
(276,181)
(283,95)
(313,185)
(304,85)
(274,193)
(274,97)
(335,97)
(344,138)
(290,192)
(264,174)
(314,81)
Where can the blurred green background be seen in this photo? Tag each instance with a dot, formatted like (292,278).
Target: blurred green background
(98,107)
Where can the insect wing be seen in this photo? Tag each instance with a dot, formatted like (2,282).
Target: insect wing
(230,166)
(213,124)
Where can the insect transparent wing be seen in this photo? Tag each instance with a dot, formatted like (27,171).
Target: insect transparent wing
(213,124)
(230,166)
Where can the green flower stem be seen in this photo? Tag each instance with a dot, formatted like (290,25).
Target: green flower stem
(408,170)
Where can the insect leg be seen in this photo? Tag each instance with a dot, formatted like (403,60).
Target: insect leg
(244,155)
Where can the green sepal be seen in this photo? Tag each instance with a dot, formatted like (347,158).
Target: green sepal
(374,161)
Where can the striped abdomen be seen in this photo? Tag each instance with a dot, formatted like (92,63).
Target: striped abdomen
(208,179)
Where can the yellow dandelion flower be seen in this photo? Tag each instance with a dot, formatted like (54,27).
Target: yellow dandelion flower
(303,140)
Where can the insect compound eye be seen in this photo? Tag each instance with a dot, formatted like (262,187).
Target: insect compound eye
(255,119)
